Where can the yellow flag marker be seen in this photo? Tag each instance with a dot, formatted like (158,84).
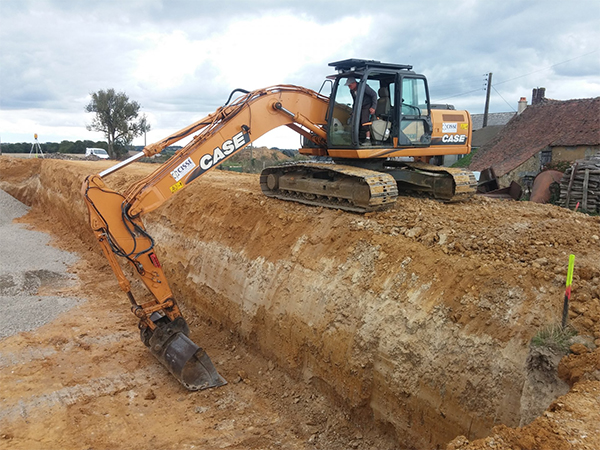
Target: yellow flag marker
(568,290)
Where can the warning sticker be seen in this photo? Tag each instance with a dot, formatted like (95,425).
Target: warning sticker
(176,187)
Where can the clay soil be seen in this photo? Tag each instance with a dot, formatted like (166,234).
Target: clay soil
(85,381)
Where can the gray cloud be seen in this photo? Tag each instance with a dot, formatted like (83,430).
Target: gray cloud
(54,53)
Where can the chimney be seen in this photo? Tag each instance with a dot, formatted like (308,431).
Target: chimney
(538,96)
(522,105)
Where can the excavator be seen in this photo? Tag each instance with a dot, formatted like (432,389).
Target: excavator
(365,164)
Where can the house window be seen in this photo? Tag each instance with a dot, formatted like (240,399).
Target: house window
(545,158)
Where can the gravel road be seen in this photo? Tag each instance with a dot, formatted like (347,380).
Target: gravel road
(28,265)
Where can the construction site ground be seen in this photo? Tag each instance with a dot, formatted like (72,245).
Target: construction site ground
(408,328)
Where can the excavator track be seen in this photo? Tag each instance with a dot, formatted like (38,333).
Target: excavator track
(446,184)
(465,184)
(330,185)
(361,190)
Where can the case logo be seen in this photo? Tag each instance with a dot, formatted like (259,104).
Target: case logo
(226,149)
(454,138)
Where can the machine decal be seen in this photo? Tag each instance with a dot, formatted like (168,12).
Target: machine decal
(454,138)
(449,127)
(464,126)
(228,147)
(176,187)
(184,168)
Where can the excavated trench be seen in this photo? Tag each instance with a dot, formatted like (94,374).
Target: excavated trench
(417,319)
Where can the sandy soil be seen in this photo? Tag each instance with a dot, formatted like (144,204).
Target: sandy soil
(84,380)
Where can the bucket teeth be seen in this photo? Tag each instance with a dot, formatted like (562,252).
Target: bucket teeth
(187,362)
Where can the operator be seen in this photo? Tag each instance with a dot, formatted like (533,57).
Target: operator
(367,108)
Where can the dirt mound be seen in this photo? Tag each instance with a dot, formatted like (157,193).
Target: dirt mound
(260,153)
(561,427)
(417,319)
(71,157)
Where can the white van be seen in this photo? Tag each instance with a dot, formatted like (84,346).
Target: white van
(99,152)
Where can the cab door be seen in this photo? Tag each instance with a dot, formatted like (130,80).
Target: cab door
(404,118)
(415,113)
(345,118)
(340,116)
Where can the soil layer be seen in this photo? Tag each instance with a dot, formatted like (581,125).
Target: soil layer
(400,329)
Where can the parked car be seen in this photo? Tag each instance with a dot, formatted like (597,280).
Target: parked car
(99,152)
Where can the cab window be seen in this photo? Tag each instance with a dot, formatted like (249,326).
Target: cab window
(415,112)
(340,132)
(401,116)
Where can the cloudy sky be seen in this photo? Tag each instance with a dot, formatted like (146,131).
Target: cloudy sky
(180,59)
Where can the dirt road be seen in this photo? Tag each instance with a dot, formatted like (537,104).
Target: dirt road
(400,329)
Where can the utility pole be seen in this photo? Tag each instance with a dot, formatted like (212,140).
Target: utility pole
(487,100)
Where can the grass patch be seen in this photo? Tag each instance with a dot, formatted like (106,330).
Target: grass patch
(554,336)
(466,160)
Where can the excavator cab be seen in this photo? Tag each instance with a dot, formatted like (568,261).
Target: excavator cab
(402,116)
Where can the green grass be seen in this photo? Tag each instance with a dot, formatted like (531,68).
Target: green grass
(554,336)
(464,162)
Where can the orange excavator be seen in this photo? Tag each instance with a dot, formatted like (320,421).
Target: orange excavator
(367,163)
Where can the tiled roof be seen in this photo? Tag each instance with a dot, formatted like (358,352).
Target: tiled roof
(485,135)
(548,124)
(494,119)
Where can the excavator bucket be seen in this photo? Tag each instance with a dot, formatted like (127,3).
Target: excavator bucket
(187,362)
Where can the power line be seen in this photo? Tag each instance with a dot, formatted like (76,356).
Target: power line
(464,93)
(460,81)
(509,105)
(546,68)
(521,76)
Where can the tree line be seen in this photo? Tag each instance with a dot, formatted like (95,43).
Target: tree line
(54,147)
(114,115)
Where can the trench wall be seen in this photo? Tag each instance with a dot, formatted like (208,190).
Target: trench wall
(419,340)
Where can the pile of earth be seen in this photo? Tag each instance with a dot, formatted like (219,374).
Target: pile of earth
(260,153)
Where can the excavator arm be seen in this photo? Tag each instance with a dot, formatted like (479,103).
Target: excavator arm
(225,132)
(116,218)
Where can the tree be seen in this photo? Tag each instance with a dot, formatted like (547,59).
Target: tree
(50,147)
(144,126)
(116,118)
(65,146)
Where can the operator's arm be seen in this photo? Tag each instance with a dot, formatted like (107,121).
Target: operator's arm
(370,98)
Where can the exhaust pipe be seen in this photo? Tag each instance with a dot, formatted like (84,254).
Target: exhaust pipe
(187,362)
